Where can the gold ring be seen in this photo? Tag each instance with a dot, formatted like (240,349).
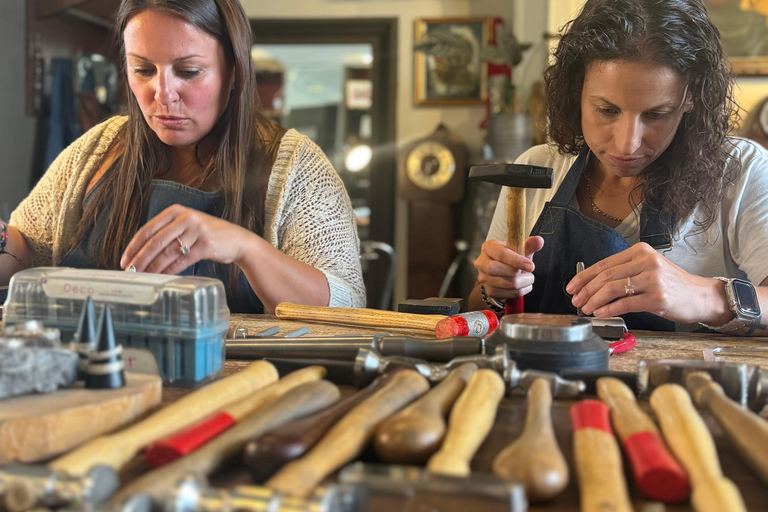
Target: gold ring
(182,247)
(629,289)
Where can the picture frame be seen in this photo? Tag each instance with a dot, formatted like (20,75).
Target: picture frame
(744,34)
(448,69)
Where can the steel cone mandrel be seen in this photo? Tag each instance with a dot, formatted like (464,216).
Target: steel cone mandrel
(105,368)
(85,336)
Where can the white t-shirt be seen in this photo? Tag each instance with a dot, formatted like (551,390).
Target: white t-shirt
(743,217)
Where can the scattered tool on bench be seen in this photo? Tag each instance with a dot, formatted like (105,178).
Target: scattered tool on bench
(88,474)
(597,459)
(298,402)
(348,437)
(516,178)
(711,354)
(656,471)
(474,323)
(265,455)
(690,440)
(747,431)
(187,440)
(416,432)
(470,423)
(534,459)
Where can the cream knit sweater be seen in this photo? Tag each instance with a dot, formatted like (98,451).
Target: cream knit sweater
(308,213)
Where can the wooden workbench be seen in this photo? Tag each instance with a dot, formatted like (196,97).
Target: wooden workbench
(511,415)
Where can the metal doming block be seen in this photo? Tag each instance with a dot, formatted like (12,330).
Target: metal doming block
(550,342)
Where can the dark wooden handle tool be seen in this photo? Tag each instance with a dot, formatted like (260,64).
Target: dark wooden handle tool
(268,453)
(534,458)
(298,402)
(689,439)
(415,433)
(349,436)
(746,430)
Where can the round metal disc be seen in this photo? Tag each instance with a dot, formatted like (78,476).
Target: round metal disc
(545,327)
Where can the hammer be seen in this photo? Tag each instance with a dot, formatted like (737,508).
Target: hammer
(83,476)
(516,178)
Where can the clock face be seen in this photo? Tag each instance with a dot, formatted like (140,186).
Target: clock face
(430,165)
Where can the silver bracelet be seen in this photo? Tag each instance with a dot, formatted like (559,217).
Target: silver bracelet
(494,304)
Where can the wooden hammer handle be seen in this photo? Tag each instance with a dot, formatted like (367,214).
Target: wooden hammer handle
(626,415)
(534,458)
(348,437)
(415,433)
(470,422)
(300,401)
(117,449)
(746,430)
(515,236)
(357,316)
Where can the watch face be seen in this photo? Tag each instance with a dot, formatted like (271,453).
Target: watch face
(746,298)
(430,165)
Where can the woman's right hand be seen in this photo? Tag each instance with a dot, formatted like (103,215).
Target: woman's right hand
(504,273)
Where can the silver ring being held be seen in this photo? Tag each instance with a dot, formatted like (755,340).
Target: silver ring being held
(182,247)
(629,288)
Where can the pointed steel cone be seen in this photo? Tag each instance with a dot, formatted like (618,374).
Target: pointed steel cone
(105,366)
(85,337)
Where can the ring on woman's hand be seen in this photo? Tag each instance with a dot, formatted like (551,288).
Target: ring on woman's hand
(629,288)
(182,247)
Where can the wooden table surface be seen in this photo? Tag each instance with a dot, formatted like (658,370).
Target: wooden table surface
(511,414)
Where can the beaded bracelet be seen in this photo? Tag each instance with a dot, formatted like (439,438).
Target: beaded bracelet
(4,242)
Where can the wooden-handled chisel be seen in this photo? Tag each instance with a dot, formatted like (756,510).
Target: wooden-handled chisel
(189,439)
(300,401)
(348,437)
(117,449)
(656,471)
(688,438)
(534,459)
(357,316)
(746,430)
(598,460)
(469,424)
(415,433)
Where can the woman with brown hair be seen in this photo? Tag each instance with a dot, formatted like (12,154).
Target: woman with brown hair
(194,179)
(668,212)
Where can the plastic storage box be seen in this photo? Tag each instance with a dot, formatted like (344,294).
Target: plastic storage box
(182,320)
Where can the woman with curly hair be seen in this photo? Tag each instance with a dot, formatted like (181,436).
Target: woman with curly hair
(668,212)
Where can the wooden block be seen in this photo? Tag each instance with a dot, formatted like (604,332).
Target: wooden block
(38,427)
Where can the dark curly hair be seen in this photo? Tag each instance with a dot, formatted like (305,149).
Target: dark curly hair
(671,33)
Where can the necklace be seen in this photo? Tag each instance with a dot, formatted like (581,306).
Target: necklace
(592,200)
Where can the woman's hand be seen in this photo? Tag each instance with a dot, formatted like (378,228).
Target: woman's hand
(158,247)
(640,279)
(499,268)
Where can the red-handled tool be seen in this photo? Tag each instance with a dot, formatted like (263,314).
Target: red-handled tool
(657,473)
(625,344)
(187,440)
(597,459)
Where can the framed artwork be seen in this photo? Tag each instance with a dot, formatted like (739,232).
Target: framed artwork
(744,32)
(448,69)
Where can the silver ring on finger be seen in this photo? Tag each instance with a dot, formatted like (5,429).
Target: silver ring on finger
(629,288)
(183,248)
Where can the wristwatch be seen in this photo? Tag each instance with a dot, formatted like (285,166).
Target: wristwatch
(494,304)
(742,300)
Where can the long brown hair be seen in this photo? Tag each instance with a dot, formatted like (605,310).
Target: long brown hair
(243,143)
(673,33)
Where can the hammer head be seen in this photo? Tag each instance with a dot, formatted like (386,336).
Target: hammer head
(513,175)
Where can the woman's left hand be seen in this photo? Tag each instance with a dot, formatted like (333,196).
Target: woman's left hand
(640,279)
(178,237)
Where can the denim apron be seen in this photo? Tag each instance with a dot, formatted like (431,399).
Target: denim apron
(163,194)
(570,236)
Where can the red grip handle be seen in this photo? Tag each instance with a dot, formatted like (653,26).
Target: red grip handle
(512,306)
(625,344)
(590,414)
(656,471)
(187,440)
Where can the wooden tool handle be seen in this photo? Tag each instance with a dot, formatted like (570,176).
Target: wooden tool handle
(685,433)
(746,430)
(348,437)
(266,454)
(534,458)
(470,422)
(656,471)
(516,219)
(355,316)
(717,495)
(300,401)
(598,460)
(189,439)
(117,449)
(415,433)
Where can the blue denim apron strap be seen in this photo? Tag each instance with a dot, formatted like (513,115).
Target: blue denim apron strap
(570,237)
